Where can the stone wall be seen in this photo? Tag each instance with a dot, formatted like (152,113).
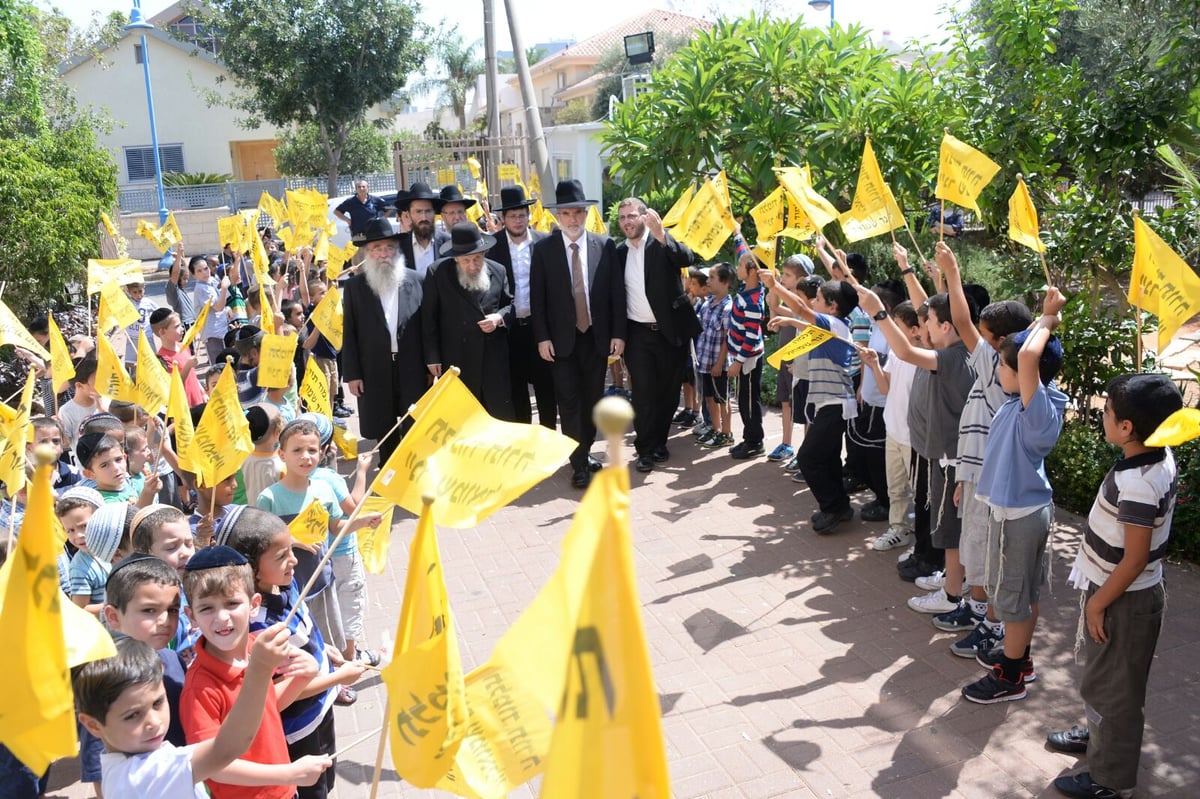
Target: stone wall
(199,229)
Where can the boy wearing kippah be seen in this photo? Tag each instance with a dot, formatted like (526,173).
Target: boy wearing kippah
(107,540)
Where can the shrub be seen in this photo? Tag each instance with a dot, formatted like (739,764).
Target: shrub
(1077,464)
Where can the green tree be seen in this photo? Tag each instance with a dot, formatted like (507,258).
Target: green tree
(300,153)
(57,179)
(458,68)
(508,65)
(317,62)
(612,65)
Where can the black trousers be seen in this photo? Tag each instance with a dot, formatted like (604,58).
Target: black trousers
(866,436)
(656,372)
(527,367)
(820,457)
(578,386)
(750,409)
(320,741)
(922,529)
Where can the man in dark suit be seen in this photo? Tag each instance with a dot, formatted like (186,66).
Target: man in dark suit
(514,250)
(466,312)
(419,238)
(382,362)
(661,324)
(577,309)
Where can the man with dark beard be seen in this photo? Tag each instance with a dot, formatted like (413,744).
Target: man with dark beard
(381,331)
(466,311)
(419,244)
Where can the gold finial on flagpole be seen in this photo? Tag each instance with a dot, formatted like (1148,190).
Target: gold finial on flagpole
(612,416)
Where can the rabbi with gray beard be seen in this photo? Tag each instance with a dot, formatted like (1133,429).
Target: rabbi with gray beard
(466,312)
(382,363)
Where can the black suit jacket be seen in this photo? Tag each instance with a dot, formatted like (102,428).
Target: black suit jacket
(552,303)
(664,286)
(501,255)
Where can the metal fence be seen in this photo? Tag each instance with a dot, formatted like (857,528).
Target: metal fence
(239,194)
(446,160)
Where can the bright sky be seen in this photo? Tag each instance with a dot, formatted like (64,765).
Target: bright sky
(541,21)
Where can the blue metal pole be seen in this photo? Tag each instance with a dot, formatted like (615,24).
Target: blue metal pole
(138,22)
(831,2)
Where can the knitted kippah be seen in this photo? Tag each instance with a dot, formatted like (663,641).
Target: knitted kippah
(215,557)
(104,530)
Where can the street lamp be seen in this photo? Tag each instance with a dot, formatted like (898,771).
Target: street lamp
(821,5)
(138,22)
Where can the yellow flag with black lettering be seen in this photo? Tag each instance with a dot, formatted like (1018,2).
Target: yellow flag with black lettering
(768,215)
(706,223)
(374,542)
(963,172)
(311,525)
(15,333)
(222,438)
(197,326)
(327,316)
(471,463)
(314,390)
(164,237)
(797,181)
(115,308)
(806,340)
(153,384)
(179,412)
(111,378)
(16,434)
(1022,218)
(62,368)
(1162,283)
(595,223)
(122,270)
(275,361)
(674,215)
(874,210)
(426,697)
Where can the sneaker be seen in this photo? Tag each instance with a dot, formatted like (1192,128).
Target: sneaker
(341,411)
(781,453)
(992,688)
(933,582)
(346,696)
(906,554)
(708,438)
(702,429)
(793,465)
(825,523)
(1073,741)
(981,639)
(1081,785)
(915,567)
(683,415)
(957,620)
(933,602)
(692,419)
(990,658)
(874,512)
(798,477)
(852,485)
(746,450)
(367,656)
(891,539)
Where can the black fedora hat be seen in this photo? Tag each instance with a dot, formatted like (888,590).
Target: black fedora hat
(377,229)
(569,194)
(417,191)
(512,198)
(466,239)
(452,194)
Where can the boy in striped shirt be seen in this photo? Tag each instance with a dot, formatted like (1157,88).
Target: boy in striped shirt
(745,344)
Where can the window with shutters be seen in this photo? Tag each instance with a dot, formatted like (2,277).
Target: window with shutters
(139,161)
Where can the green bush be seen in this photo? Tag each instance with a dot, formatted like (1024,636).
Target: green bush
(1077,464)
(1185,526)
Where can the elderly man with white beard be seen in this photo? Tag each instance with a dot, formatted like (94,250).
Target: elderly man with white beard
(382,362)
(466,313)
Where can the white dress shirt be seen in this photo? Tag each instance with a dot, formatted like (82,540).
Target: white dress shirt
(424,257)
(519,253)
(637,306)
(583,259)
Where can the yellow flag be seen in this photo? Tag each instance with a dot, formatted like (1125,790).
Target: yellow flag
(508,172)
(374,542)
(608,734)
(314,390)
(222,438)
(231,230)
(321,250)
(37,706)
(276,359)
(311,525)
(338,258)
(272,208)
(674,215)
(267,323)
(111,378)
(799,226)
(797,181)
(16,434)
(535,183)
(62,368)
(1180,427)
(153,384)
(13,332)
(540,219)
(769,214)
(123,270)
(1022,218)
(595,222)
(874,210)
(471,463)
(765,252)
(327,316)
(181,415)
(424,680)
(197,326)
(963,172)
(346,441)
(473,165)
(164,237)
(109,227)
(1162,282)
(806,340)
(706,222)
(115,308)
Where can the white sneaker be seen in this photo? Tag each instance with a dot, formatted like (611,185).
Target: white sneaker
(934,582)
(934,602)
(891,539)
(701,430)
(904,555)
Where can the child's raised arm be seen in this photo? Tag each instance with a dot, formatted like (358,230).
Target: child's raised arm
(901,347)
(916,292)
(959,308)
(1028,375)
(795,303)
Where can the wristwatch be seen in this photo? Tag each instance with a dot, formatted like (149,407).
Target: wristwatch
(879,317)
(907,271)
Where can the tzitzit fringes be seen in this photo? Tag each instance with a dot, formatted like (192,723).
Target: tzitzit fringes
(945,489)
(1080,625)
(1048,552)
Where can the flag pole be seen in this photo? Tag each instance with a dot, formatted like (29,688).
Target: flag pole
(941,221)
(1137,342)
(612,416)
(383,733)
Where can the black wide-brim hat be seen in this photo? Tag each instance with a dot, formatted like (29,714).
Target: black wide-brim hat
(466,239)
(512,198)
(569,194)
(378,229)
(417,191)
(452,194)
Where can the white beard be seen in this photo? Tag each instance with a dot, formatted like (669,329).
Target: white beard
(480,283)
(383,274)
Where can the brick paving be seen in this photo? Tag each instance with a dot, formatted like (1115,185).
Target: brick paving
(787,663)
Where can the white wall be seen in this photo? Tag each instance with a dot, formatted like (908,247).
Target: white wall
(580,145)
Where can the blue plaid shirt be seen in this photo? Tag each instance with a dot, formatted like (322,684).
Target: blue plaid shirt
(714,318)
